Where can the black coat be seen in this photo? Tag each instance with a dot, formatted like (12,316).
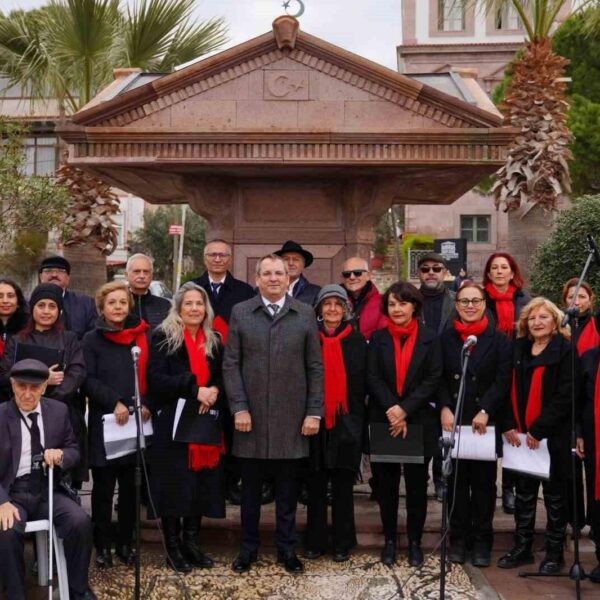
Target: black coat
(306,292)
(153,309)
(488,379)
(79,313)
(341,446)
(554,422)
(176,490)
(520,299)
(579,323)
(231,293)
(110,378)
(421,383)
(585,409)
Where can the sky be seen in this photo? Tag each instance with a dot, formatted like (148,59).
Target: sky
(371,28)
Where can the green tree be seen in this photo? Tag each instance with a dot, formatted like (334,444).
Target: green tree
(152,239)
(30,206)
(568,242)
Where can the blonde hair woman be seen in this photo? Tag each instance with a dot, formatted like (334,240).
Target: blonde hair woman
(186,478)
(541,408)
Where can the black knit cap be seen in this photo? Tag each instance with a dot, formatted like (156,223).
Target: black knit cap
(47,291)
(56,262)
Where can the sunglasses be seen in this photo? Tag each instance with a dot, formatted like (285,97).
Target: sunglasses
(434,269)
(466,301)
(356,273)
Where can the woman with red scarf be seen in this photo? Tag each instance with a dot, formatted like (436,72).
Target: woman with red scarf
(186,478)
(589,444)
(506,298)
(335,452)
(403,372)
(110,386)
(540,406)
(472,486)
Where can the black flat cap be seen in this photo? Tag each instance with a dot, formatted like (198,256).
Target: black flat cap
(291,246)
(56,262)
(30,370)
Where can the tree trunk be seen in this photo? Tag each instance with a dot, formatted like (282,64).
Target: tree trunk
(88,268)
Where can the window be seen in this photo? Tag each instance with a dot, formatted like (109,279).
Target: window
(118,220)
(508,18)
(476,228)
(451,15)
(41,155)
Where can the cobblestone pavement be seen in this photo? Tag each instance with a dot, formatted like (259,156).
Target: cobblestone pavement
(361,578)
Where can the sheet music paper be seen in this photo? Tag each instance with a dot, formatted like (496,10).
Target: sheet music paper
(473,446)
(527,461)
(120,440)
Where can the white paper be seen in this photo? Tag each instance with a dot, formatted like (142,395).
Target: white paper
(473,446)
(120,440)
(178,411)
(525,460)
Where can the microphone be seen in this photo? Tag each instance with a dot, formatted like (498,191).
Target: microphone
(136,351)
(470,342)
(593,248)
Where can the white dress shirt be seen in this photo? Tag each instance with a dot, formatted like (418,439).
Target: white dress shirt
(279,303)
(292,286)
(25,461)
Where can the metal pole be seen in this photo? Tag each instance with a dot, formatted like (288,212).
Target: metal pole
(181,240)
(174,281)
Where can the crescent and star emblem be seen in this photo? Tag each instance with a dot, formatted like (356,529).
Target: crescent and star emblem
(301,8)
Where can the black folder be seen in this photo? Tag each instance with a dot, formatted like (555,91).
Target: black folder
(49,356)
(387,449)
(196,428)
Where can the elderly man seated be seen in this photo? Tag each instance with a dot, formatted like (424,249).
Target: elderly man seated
(35,433)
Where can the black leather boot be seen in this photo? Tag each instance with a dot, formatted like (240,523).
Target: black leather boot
(556,511)
(415,553)
(388,554)
(191,544)
(175,560)
(521,554)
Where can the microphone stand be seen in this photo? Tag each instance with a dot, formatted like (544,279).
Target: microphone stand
(139,448)
(447,444)
(576,571)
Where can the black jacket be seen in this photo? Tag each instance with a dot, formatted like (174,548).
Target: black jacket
(306,292)
(79,313)
(520,299)
(554,422)
(177,491)
(448,311)
(341,446)
(153,309)
(585,408)
(579,323)
(110,378)
(232,292)
(488,379)
(422,381)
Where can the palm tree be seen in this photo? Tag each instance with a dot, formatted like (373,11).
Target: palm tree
(68,50)
(535,183)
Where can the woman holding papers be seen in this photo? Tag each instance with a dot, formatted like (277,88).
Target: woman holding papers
(335,452)
(110,387)
(472,486)
(186,478)
(588,446)
(540,408)
(403,373)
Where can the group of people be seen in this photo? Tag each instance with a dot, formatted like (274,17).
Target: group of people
(294,378)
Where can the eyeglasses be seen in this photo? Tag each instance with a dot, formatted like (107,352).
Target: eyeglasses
(464,302)
(53,270)
(356,273)
(218,255)
(434,269)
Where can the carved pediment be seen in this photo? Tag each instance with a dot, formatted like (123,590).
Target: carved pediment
(306,85)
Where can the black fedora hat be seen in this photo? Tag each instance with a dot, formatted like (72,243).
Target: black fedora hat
(291,246)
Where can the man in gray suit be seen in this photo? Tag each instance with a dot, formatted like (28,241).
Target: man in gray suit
(273,376)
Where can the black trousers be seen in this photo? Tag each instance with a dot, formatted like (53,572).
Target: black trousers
(342,509)
(103,491)
(72,525)
(472,501)
(283,473)
(387,476)
(527,489)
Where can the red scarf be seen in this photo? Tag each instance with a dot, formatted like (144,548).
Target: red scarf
(505,308)
(534,399)
(336,399)
(589,337)
(597,431)
(200,456)
(220,324)
(1,347)
(136,335)
(467,329)
(403,353)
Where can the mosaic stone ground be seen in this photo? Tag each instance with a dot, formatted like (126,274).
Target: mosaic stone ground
(361,578)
